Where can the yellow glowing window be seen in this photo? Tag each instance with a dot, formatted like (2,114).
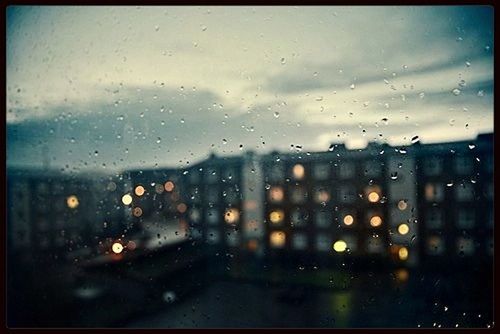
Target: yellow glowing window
(277,239)
(127,199)
(375,221)
(298,172)
(117,248)
(373,197)
(403,229)
(340,246)
(231,216)
(348,220)
(402,205)
(72,202)
(169,186)
(322,196)
(276,216)
(403,253)
(276,194)
(139,190)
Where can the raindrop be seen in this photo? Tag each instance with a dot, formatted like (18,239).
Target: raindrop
(472,146)
(456,92)
(158,140)
(224,141)
(203,28)
(421,95)
(480,93)
(467,63)
(394,175)
(449,184)
(157,27)
(415,139)
(352,86)
(283,62)
(276,114)
(182,120)
(462,83)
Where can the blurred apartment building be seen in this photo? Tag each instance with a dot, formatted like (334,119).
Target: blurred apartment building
(416,205)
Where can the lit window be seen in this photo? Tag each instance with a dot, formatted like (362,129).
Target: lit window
(466,218)
(252,245)
(139,190)
(299,241)
(298,172)
(465,246)
(276,194)
(348,220)
(323,218)
(117,248)
(340,246)
(403,253)
(231,216)
(169,186)
(434,192)
(435,245)
(277,239)
(375,221)
(403,229)
(321,195)
(402,205)
(276,216)
(137,212)
(373,193)
(127,199)
(72,202)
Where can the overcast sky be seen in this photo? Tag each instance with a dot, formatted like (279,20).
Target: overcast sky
(119,87)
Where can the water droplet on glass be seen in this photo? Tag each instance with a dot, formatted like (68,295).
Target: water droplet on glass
(182,120)
(283,62)
(472,146)
(467,63)
(456,92)
(276,114)
(157,27)
(480,93)
(394,175)
(421,95)
(203,28)
(415,139)
(352,86)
